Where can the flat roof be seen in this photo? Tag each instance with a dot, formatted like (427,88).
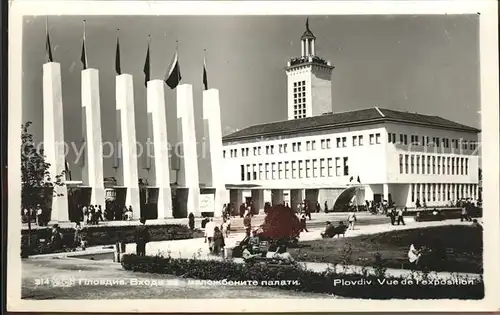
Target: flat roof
(345,119)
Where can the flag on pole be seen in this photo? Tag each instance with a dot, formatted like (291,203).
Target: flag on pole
(83,57)
(359,181)
(67,171)
(173,77)
(48,47)
(350,179)
(118,67)
(205,79)
(147,65)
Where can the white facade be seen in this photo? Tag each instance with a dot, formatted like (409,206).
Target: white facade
(326,160)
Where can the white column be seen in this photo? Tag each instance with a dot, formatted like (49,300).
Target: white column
(188,174)
(126,114)
(53,137)
(312,47)
(386,192)
(93,159)
(213,134)
(158,121)
(303,47)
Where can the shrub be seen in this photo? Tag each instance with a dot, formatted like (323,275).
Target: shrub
(330,282)
(102,235)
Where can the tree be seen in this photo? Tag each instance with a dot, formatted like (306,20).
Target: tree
(35,177)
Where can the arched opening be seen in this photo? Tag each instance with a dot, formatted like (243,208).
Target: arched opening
(345,198)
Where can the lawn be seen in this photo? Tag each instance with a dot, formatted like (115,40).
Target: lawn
(463,246)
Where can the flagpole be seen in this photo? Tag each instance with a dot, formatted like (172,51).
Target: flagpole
(205,66)
(84,42)
(178,62)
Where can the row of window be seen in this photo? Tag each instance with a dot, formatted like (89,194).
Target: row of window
(311,168)
(341,142)
(299,99)
(433,165)
(433,142)
(442,192)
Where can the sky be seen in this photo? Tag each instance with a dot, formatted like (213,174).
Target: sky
(424,64)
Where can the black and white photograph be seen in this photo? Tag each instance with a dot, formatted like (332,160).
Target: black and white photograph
(313,155)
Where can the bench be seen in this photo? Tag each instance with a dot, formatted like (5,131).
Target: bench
(336,231)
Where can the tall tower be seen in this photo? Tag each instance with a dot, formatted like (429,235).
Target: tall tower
(309,81)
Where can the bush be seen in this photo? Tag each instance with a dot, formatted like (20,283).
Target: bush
(102,235)
(330,282)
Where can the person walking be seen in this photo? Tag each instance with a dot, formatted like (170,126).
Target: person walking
(218,241)
(303,223)
(209,234)
(352,219)
(392,215)
(247,223)
(400,218)
(141,237)
(38,214)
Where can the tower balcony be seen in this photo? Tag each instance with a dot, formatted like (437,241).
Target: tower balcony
(308,59)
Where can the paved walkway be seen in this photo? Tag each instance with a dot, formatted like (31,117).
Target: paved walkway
(196,248)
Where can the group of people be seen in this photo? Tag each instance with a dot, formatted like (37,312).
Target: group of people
(380,207)
(397,215)
(214,236)
(275,252)
(93,214)
(36,215)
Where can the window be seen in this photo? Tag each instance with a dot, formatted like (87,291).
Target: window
(272,149)
(315,168)
(452,166)
(439,192)
(438,165)
(406,164)
(308,168)
(428,165)
(433,165)
(294,169)
(299,146)
(457,170)
(267,149)
(412,164)
(328,143)
(294,147)
(448,166)
(412,192)
(405,139)
(287,170)
(330,167)
(344,142)
(242,151)
(301,169)
(354,141)
(424,143)
(433,192)
(423,164)
(254,172)
(338,142)
(285,148)
(400,164)
(273,170)
(461,166)
(308,145)
(360,140)
(313,145)
(346,167)
(242,168)
(260,171)
(247,150)
(443,170)
(280,148)
(322,168)
(299,100)
(437,142)
(337,167)
(224,154)
(267,171)
(377,138)
(372,139)
(401,138)
(249,174)
(280,170)
(323,145)
(418,164)
(466,166)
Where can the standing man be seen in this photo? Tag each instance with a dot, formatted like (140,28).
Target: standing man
(351,219)
(141,237)
(392,215)
(326,207)
(38,213)
(400,217)
(209,234)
